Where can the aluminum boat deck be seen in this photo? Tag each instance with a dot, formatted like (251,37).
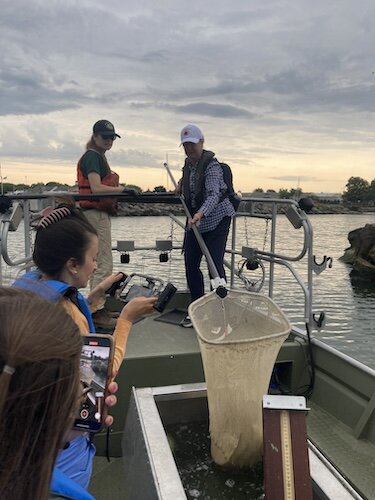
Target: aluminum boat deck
(160,354)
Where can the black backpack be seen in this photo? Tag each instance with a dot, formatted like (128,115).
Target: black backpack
(228,179)
(234,198)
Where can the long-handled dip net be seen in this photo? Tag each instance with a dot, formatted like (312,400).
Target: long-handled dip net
(240,334)
(240,337)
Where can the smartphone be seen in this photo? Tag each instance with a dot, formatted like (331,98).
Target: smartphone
(96,373)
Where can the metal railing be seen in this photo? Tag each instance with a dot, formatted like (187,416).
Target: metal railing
(271,209)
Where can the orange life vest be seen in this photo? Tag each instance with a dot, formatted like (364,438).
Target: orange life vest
(108,205)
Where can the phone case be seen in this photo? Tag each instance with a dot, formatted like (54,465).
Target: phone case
(96,373)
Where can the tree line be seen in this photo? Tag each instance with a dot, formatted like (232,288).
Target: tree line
(357,190)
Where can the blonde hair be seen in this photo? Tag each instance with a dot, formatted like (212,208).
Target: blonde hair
(42,344)
(91,144)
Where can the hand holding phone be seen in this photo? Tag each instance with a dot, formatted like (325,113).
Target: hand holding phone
(96,373)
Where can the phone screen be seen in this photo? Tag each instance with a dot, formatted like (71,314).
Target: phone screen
(95,367)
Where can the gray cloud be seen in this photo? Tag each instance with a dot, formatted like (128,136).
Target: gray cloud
(199,108)
(266,79)
(31,93)
(214,110)
(135,158)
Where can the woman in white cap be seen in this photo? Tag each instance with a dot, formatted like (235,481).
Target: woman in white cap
(94,175)
(204,191)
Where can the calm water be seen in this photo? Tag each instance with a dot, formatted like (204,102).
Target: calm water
(349,305)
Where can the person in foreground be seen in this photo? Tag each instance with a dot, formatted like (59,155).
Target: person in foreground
(94,175)
(40,347)
(204,191)
(65,250)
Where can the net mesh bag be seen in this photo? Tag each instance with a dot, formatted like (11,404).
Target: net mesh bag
(240,337)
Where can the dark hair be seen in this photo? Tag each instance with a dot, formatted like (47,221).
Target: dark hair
(58,241)
(40,348)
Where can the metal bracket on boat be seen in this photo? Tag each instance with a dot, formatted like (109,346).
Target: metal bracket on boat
(249,253)
(163,246)
(276,402)
(13,216)
(124,247)
(252,262)
(319,268)
(319,322)
(5,204)
(296,216)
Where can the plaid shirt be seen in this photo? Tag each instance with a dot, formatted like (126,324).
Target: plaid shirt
(214,211)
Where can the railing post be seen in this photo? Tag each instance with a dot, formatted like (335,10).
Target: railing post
(272,249)
(232,257)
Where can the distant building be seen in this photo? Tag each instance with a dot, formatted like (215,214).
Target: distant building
(257,194)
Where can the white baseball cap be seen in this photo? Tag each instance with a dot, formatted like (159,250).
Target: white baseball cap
(191,133)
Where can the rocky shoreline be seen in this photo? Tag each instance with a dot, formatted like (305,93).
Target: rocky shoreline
(159,209)
(148,209)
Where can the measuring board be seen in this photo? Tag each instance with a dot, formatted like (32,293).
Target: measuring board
(287,456)
(285,462)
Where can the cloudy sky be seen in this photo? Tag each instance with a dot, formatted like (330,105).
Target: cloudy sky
(282,89)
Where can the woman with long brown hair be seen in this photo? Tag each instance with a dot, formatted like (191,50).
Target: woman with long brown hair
(65,251)
(40,348)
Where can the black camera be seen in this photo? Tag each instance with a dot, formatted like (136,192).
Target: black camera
(164,297)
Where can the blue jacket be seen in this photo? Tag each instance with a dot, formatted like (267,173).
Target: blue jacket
(53,290)
(63,486)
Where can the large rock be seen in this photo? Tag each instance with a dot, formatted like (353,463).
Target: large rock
(361,253)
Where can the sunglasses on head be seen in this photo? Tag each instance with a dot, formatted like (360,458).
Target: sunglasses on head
(110,137)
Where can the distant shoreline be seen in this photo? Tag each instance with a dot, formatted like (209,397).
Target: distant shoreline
(159,209)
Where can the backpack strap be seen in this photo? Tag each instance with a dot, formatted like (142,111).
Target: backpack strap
(225,168)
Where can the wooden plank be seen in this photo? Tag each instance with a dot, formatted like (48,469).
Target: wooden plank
(272,461)
(302,478)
